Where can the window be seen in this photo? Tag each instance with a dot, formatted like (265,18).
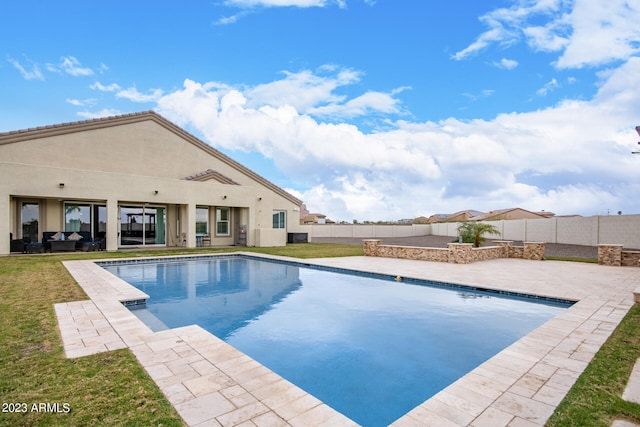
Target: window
(202,221)
(222,222)
(85,217)
(279,219)
(99,219)
(77,217)
(30,215)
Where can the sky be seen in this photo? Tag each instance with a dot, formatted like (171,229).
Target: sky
(368,110)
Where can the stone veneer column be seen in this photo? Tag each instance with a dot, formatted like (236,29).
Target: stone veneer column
(507,245)
(460,253)
(533,251)
(371,247)
(610,254)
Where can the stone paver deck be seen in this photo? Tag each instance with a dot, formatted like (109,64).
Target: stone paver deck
(211,383)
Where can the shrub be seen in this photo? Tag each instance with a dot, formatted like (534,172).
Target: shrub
(473,232)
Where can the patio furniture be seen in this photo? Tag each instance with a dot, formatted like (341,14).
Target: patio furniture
(34,248)
(62,245)
(100,241)
(81,240)
(206,240)
(16,245)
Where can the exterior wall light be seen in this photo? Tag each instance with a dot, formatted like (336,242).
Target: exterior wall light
(61,185)
(224,197)
(155,192)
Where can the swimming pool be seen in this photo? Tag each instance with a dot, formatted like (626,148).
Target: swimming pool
(369,346)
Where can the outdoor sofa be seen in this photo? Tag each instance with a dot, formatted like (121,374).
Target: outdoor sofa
(52,241)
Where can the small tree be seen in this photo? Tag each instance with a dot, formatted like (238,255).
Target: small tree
(473,232)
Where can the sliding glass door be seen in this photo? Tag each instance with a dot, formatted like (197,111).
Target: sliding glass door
(88,217)
(142,225)
(30,216)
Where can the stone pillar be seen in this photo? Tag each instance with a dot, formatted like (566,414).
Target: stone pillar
(610,254)
(460,253)
(506,245)
(371,247)
(533,251)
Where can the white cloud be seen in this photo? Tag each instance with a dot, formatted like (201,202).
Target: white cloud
(249,6)
(33,74)
(108,88)
(483,41)
(570,158)
(81,102)
(368,103)
(548,87)
(226,20)
(507,64)
(284,3)
(602,32)
(132,94)
(585,32)
(305,89)
(71,66)
(546,38)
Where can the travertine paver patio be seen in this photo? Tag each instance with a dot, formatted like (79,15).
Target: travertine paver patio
(211,383)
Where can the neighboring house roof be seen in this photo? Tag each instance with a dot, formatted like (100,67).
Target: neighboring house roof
(546,214)
(303,210)
(101,123)
(315,218)
(511,213)
(437,218)
(455,217)
(473,215)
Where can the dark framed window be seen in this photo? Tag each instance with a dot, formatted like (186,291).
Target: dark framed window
(223,222)
(279,219)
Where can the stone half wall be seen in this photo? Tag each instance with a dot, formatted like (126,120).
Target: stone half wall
(457,253)
(615,255)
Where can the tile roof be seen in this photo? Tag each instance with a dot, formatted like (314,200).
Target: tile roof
(209,175)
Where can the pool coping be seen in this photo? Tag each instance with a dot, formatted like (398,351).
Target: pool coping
(211,383)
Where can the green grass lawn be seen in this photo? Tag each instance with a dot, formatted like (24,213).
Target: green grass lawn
(113,389)
(595,399)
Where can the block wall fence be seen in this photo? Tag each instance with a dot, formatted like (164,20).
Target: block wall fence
(588,231)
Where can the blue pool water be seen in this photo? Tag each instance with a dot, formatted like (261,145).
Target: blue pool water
(370,347)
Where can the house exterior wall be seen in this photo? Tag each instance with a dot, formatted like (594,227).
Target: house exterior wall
(140,162)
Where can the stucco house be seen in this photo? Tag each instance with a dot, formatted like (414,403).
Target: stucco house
(509,214)
(460,216)
(139,180)
(496,215)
